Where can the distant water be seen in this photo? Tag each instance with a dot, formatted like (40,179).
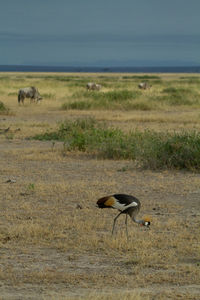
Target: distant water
(14,68)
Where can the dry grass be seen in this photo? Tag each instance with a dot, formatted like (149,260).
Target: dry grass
(53,249)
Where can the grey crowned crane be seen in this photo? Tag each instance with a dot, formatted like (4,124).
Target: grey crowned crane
(126,204)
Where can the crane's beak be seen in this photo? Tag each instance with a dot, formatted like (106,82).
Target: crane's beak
(146,226)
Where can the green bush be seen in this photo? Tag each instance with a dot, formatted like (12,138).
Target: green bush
(169,150)
(148,149)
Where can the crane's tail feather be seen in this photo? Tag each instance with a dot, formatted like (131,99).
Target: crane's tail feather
(106,202)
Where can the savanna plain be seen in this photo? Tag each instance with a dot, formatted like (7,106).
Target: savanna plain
(62,154)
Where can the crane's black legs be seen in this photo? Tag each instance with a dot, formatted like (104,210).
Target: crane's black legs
(126,222)
(115,219)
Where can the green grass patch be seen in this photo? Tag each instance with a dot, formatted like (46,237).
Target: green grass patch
(149,149)
(42,76)
(20,79)
(48,95)
(141,77)
(81,105)
(142,105)
(178,91)
(156,82)
(190,79)
(12,94)
(117,99)
(110,96)
(4,78)
(178,96)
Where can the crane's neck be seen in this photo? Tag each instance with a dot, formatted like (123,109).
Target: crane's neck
(137,221)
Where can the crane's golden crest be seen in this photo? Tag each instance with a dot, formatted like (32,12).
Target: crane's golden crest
(110,201)
(147,219)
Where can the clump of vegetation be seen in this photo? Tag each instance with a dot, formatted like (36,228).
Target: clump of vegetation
(83,135)
(48,95)
(178,96)
(149,149)
(3,109)
(140,105)
(4,78)
(156,82)
(116,95)
(77,105)
(157,150)
(190,79)
(117,99)
(141,77)
(12,94)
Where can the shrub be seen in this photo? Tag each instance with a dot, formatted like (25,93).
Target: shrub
(169,150)
(148,149)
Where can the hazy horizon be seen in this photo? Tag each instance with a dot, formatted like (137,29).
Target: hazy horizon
(108,33)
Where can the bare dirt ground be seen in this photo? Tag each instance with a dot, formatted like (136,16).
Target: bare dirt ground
(56,244)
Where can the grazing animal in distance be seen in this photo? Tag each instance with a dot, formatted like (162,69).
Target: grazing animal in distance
(126,204)
(144,85)
(29,92)
(93,86)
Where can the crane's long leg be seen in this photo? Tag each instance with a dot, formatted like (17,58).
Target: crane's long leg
(115,219)
(126,222)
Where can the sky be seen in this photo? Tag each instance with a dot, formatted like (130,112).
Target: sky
(100,32)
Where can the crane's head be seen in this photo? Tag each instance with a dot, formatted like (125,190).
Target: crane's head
(146,222)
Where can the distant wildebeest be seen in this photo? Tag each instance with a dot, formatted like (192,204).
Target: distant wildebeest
(29,92)
(144,85)
(93,86)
